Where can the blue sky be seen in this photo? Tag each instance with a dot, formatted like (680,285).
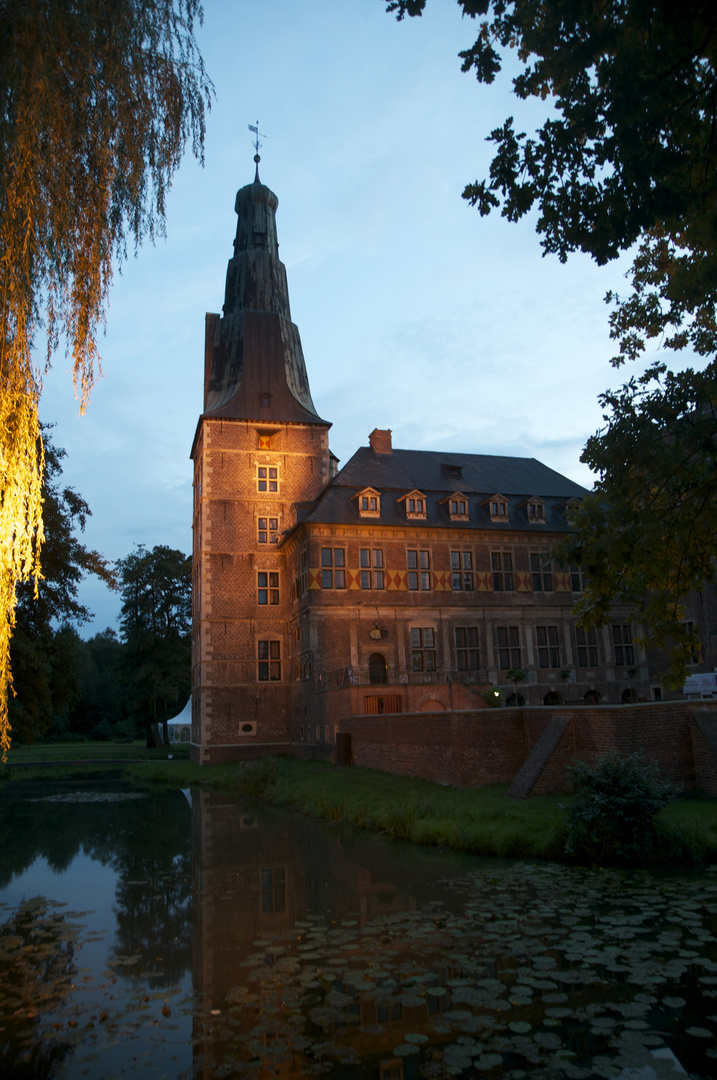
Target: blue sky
(415,313)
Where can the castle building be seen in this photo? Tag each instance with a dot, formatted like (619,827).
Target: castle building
(408,581)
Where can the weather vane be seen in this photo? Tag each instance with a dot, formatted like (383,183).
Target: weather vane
(257,144)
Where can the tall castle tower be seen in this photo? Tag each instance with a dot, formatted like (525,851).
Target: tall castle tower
(260,448)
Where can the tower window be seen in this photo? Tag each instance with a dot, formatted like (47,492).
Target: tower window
(267,478)
(269,661)
(267,587)
(268,530)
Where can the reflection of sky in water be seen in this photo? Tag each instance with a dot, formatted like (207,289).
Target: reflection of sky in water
(324,953)
(111,1022)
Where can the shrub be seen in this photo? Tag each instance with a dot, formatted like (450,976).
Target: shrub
(611,820)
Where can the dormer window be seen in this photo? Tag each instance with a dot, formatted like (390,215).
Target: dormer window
(457,505)
(498,508)
(369,502)
(456,471)
(416,504)
(536,511)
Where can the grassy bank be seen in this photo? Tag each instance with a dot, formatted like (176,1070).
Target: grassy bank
(476,820)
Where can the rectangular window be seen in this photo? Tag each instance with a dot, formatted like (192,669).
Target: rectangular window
(509,652)
(267,478)
(622,644)
(268,587)
(467,648)
(458,508)
(417,507)
(333,573)
(502,565)
(371,563)
(577,578)
(268,530)
(419,570)
(269,657)
(423,649)
(462,571)
(548,647)
(542,569)
(587,647)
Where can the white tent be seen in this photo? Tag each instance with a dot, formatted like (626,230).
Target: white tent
(180,726)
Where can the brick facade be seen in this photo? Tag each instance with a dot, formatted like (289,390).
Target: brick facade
(398,590)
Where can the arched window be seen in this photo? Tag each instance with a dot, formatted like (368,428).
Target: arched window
(511,700)
(629,697)
(553,698)
(377,669)
(592,697)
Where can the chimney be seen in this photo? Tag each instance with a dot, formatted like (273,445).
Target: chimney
(380,441)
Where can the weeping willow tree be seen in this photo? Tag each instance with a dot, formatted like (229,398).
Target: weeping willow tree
(98,100)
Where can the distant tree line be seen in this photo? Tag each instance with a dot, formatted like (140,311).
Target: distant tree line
(112,686)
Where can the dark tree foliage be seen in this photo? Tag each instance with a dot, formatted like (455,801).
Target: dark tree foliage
(155,627)
(99,711)
(46,659)
(627,156)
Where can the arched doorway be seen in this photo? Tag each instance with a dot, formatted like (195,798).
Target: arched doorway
(629,697)
(432,706)
(377,669)
(511,700)
(553,698)
(592,697)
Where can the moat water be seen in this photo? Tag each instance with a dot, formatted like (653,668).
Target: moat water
(169,934)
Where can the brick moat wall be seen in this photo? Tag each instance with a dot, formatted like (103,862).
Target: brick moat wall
(488,746)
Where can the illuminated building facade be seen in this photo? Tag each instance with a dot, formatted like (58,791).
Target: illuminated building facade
(408,581)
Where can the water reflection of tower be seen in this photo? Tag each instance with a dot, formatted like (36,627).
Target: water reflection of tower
(256,875)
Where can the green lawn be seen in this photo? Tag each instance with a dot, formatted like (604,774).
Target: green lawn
(477,820)
(91,751)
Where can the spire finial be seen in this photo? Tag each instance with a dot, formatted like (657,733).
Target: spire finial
(257,145)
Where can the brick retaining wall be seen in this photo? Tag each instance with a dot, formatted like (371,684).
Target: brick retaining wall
(488,746)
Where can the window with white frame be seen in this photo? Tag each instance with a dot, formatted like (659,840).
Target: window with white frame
(509,650)
(502,566)
(268,529)
(462,571)
(269,660)
(548,646)
(423,648)
(467,658)
(333,572)
(267,478)
(369,502)
(419,570)
(267,587)
(372,571)
(541,566)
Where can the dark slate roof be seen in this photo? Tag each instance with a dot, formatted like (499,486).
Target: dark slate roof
(437,474)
